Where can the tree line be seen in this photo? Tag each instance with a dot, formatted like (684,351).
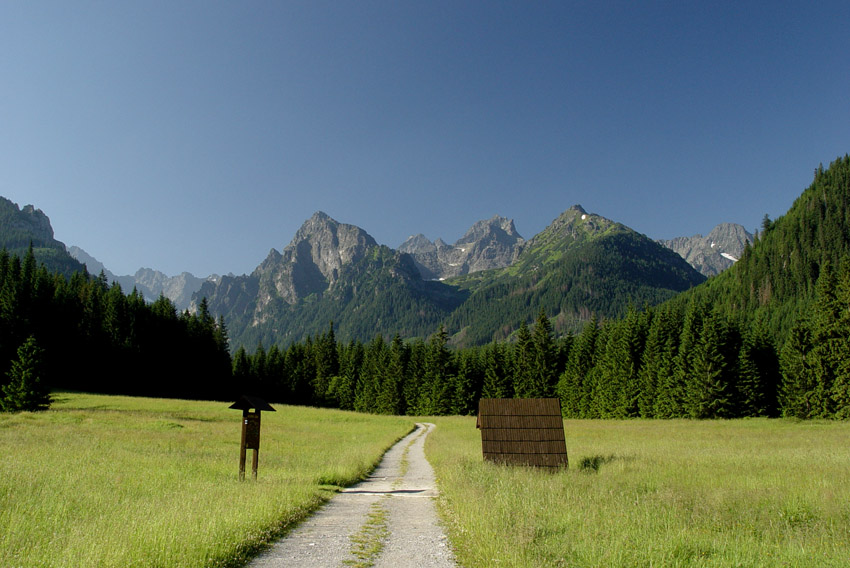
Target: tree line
(668,361)
(80,333)
(674,360)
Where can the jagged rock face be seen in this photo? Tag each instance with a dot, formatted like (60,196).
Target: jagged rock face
(714,253)
(493,243)
(29,221)
(35,220)
(179,289)
(93,265)
(417,244)
(310,264)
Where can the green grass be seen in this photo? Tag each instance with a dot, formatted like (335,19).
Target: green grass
(115,481)
(653,493)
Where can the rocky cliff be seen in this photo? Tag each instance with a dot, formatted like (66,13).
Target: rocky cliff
(714,253)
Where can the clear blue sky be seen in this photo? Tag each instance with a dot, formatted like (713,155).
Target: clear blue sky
(196,136)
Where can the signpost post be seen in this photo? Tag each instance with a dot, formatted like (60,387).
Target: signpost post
(250,430)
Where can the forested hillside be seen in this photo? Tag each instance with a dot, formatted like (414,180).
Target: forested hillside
(776,279)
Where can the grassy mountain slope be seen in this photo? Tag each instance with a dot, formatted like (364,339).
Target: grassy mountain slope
(578,266)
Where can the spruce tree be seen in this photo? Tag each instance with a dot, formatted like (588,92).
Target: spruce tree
(573,383)
(798,379)
(497,377)
(523,363)
(436,399)
(542,376)
(25,390)
(709,392)
(758,373)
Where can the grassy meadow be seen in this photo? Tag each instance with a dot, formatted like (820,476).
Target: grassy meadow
(653,493)
(118,481)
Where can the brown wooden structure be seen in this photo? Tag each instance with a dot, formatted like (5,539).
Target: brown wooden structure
(523,431)
(250,430)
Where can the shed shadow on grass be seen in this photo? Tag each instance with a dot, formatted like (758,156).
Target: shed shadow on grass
(591,464)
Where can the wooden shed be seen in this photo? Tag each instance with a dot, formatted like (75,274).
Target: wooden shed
(523,431)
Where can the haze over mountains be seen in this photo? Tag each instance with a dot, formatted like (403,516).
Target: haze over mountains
(179,289)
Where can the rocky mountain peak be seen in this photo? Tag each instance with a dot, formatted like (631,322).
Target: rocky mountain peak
(491,243)
(39,222)
(311,262)
(714,253)
(26,220)
(496,227)
(417,244)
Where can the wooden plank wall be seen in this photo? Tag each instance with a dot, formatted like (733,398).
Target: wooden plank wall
(523,431)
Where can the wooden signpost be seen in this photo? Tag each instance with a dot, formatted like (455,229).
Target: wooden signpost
(250,430)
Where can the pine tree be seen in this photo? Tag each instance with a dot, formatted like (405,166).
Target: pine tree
(25,390)
(542,376)
(497,377)
(436,398)
(523,363)
(573,383)
(709,392)
(758,373)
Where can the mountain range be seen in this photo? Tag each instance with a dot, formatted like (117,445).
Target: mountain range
(151,283)
(482,288)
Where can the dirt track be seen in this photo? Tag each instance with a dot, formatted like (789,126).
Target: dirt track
(394,508)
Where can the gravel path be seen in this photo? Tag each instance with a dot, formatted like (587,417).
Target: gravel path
(398,500)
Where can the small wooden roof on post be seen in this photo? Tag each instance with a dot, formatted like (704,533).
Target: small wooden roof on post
(246,403)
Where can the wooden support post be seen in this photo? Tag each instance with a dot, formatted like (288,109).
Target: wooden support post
(242,448)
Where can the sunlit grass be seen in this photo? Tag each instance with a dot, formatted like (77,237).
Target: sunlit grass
(115,481)
(653,493)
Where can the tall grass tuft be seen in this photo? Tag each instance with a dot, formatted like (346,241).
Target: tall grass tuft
(117,481)
(653,493)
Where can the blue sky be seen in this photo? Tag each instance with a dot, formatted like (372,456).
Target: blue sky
(198,135)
